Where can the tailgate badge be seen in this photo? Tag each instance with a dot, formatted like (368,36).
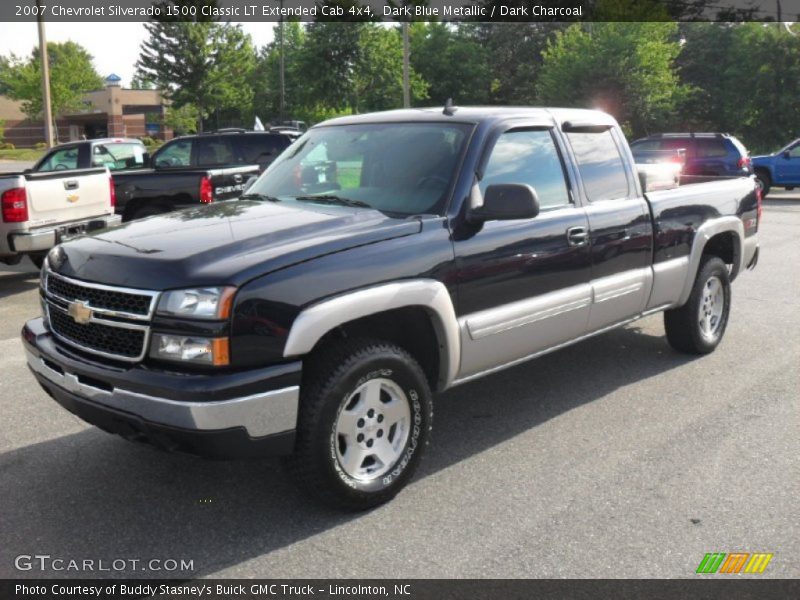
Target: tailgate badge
(72,198)
(80,312)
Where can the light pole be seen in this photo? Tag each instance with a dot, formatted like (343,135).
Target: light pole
(282,67)
(406,52)
(48,111)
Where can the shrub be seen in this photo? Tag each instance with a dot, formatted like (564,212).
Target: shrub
(8,146)
(40,146)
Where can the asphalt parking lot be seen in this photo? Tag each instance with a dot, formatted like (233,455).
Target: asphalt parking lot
(613,458)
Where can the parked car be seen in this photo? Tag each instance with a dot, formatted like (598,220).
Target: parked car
(115,153)
(40,210)
(780,169)
(197,169)
(390,255)
(706,154)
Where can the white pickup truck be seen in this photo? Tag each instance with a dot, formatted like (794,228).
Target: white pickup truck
(40,210)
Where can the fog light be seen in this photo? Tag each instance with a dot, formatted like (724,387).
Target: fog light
(200,350)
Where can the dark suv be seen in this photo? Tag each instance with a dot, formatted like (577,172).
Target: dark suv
(704,153)
(224,148)
(197,169)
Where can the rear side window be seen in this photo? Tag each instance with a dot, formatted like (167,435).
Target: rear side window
(600,164)
(260,148)
(708,148)
(528,157)
(213,151)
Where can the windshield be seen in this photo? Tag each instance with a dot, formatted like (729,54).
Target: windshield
(403,168)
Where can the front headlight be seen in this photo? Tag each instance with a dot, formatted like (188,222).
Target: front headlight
(200,350)
(198,303)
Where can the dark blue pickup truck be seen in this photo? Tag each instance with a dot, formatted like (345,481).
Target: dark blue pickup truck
(379,259)
(780,169)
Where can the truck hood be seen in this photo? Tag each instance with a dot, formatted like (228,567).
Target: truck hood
(227,243)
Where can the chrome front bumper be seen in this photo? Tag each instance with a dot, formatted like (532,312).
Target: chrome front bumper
(259,414)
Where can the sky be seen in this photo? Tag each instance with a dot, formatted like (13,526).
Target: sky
(114,46)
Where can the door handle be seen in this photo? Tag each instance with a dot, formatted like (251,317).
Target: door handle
(71,185)
(577,236)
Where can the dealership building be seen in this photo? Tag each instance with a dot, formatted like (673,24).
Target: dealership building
(112,111)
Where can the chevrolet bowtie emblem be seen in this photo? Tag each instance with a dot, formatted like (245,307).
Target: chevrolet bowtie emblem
(80,312)
(73,198)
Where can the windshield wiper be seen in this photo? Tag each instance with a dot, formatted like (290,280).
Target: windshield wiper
(333,199)
(254,196)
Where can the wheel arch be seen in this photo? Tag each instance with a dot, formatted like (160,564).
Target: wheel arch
(420,303)
(720,237)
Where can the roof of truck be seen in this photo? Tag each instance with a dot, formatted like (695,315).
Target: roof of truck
(478,114)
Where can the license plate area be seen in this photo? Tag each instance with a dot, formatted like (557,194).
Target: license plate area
(68,232)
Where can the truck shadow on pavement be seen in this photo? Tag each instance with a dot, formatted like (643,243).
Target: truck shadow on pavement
(18,283)
(94,495)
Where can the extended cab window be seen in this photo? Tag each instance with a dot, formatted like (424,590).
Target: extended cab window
(60,160)
(528,157)
(600,164)
(176,154)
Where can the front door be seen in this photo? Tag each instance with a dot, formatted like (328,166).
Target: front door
(523,285)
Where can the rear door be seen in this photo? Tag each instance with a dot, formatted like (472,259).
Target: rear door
(61,196)
(620,225)
(787,166)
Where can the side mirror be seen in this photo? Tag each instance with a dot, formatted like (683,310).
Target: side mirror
(146,159)
(28,171)
(249,183)
(505,202)
(787,155)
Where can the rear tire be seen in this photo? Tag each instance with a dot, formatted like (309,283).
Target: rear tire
(697,327)
(365,417)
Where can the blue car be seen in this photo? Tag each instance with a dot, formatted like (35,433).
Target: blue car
(714,154)
(780,169)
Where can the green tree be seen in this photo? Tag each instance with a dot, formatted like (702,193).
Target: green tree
(378,78)
(72,74)
(329,58)
(626,69)
(266,77)
(204,63)
(452,63)
(182,120)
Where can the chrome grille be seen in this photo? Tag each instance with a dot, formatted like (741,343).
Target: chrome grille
(98,338)
(105,299)
(117,326)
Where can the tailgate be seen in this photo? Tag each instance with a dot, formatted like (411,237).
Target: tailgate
(63,196)
(229,183)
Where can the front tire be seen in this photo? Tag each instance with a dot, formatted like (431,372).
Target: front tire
(763,181)
(697,327)
(365,417)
